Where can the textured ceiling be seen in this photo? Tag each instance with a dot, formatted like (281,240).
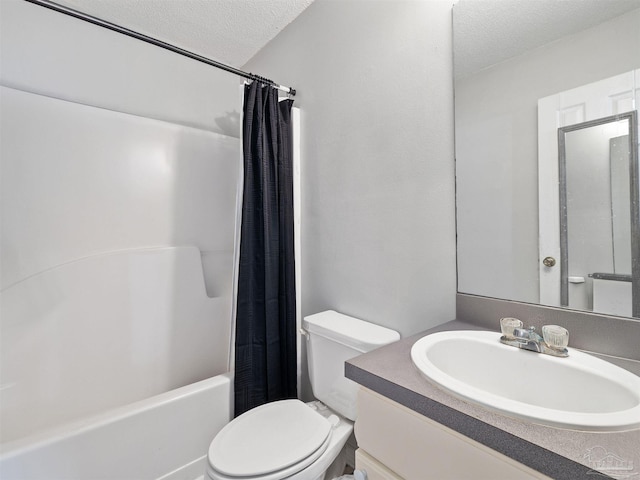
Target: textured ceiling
(229,31)
(487,32)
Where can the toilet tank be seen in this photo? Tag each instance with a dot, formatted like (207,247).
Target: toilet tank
(334,338)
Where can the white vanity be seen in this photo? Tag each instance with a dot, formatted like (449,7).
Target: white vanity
(398,443)
(407,428)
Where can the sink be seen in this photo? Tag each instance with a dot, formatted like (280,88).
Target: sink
(579,392)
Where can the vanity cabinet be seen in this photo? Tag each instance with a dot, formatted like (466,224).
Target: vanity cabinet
(397,443)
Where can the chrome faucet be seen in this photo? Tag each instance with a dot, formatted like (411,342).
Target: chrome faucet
(553,341)
(528,339)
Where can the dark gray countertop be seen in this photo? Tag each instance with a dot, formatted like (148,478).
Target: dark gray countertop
(558,453)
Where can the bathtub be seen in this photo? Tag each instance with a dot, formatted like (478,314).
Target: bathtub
(162,437)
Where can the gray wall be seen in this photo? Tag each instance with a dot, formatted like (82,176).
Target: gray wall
(497,156)
(375,89)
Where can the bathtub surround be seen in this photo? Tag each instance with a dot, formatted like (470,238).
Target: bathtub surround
(114,336)
(103,291)
(118,210)
(265,338)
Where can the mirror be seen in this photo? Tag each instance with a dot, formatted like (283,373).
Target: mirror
(507,57)
(598,186)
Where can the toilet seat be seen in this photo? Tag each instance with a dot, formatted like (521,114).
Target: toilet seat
(277,475)
(269,442)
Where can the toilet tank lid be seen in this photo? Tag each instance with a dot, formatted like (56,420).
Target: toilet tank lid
(352,332)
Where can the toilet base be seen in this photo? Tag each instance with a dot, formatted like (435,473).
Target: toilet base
(337,468)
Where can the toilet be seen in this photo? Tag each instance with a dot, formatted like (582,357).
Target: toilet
(292,440)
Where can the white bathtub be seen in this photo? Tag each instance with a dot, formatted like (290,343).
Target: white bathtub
(163,437)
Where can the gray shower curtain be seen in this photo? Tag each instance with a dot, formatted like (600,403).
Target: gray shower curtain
(265,348)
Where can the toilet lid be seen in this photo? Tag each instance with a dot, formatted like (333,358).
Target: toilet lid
(268,438)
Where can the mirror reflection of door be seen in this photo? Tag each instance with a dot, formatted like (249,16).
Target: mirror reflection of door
(596,195)
(604,98)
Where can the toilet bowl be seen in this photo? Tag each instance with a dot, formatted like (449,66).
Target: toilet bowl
(289,439)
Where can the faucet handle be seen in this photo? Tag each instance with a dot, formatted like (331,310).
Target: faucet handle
(555,336)
(508,325)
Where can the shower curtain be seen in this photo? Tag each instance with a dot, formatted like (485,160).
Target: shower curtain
(265,345)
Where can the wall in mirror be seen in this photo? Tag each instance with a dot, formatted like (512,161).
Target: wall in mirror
(548,48)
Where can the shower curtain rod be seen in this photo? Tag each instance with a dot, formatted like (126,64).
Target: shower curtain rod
(158,43)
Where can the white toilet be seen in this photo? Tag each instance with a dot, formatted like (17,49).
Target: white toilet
(288,438)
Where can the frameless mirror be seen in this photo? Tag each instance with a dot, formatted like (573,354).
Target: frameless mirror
(508,57)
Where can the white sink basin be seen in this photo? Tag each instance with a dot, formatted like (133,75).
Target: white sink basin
(579,392)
